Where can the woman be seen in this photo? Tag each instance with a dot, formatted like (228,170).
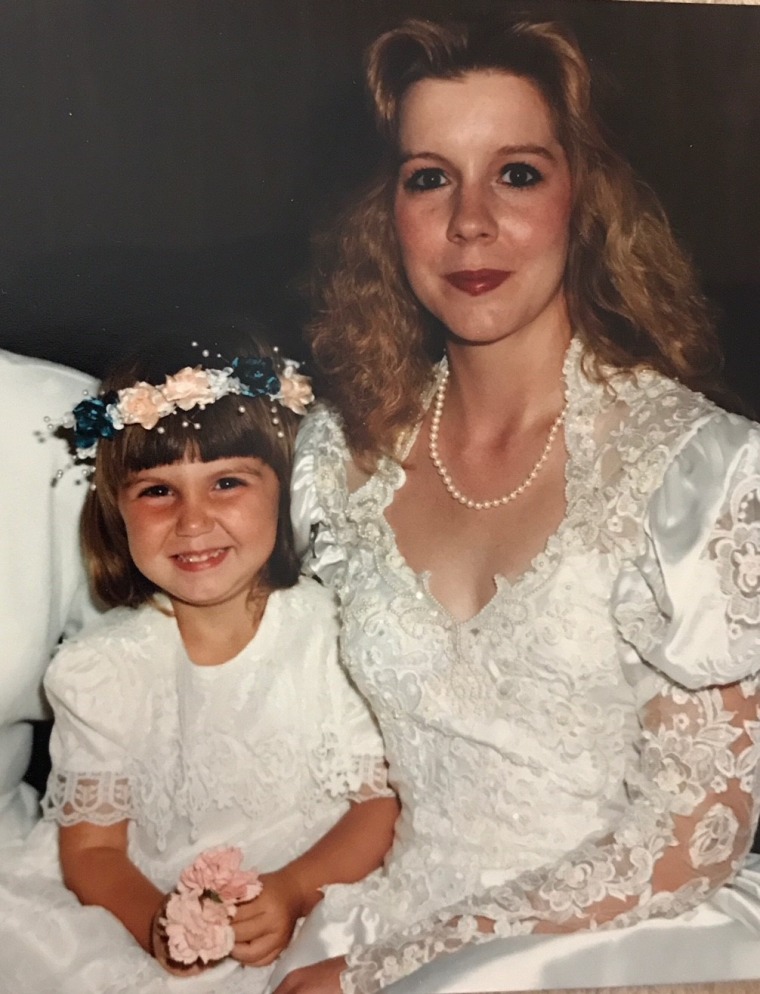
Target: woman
(545,545)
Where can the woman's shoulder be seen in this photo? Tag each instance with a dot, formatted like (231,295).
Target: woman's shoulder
(322,423)
(663,415)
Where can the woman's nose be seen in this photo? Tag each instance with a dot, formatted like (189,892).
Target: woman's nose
(194,518)
(472,216)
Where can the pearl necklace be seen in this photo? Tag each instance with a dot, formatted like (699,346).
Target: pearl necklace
(435,458)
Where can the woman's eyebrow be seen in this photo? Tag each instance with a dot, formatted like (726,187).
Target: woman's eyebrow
(541,150)
(407,156)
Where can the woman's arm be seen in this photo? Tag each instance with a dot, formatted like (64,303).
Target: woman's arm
(686,832)
(97,869)
(350,850)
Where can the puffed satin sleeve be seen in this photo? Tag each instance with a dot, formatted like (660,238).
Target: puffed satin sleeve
(688,613)
(316,544)
(689,606)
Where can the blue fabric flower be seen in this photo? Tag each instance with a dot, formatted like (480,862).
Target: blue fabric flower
(91,422)
(257,376)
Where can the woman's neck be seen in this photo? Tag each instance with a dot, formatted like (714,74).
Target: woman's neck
(506,385)
(214,634)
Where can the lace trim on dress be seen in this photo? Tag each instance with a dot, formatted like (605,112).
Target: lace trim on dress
(100,798)
(365,776)
(372,775)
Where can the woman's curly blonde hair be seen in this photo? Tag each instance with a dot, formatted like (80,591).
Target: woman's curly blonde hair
(632,294)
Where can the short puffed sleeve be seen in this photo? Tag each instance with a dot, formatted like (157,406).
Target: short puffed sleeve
(689,605)
(315,485)
(349,761)
(97,710)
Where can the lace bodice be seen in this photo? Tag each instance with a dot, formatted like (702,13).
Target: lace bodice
(264,751)
(583,752)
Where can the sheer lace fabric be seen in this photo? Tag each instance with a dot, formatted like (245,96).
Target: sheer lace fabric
(583,753)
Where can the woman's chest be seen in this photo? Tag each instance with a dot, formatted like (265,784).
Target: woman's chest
(461,548)
(544,645)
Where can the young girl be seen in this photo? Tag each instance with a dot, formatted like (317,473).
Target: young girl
(207,709)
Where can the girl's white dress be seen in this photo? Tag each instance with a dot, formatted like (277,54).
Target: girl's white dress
(582,752)
(263,752)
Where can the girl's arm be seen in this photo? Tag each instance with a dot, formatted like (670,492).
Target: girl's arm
(97,869)
(351,849)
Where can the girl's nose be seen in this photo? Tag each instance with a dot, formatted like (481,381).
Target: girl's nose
(194,518)
(471,216)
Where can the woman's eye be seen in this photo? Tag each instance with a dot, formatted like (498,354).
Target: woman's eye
(429,178)
(520,174)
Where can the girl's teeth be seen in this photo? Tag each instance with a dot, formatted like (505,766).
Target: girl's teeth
(199,557)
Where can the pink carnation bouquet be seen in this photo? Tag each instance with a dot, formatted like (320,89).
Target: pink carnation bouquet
(197,916)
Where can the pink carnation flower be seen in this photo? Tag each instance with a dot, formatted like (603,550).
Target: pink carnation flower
(143,404)
(295,390)
(189,388)
(218,871)
(197,929)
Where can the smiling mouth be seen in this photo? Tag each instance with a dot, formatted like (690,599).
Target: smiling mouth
(477,281)
(199,560)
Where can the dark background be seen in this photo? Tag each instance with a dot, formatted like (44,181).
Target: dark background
(163,161)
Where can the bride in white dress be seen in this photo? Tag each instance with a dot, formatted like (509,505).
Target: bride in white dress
(546,545)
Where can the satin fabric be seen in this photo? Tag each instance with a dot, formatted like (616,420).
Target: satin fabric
(43,592)
(717,941)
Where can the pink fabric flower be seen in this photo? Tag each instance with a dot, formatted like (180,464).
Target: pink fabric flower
(295,390)
(189,388)
(218,871)
(143,404)
(197,928)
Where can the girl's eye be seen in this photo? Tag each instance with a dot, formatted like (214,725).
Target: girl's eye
(229,483)
(156,490)
(429,178)
(520,175)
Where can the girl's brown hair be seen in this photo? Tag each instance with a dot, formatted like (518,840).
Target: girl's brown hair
(632,294)
(234,426)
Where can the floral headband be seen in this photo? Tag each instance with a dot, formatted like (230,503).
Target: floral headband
(144,404)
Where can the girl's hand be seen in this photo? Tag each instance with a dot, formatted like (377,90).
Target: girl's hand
(159,948)
(319,978)
(263,927)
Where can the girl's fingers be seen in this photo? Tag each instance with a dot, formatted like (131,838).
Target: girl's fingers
(252,929)
(260,952)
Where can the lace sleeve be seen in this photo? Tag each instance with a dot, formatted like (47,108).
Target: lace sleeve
(692,627)
(688,828)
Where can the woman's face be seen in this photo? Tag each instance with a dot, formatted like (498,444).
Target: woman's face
(482,204)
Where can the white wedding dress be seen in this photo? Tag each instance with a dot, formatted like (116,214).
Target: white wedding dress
(263,752)
(583,753)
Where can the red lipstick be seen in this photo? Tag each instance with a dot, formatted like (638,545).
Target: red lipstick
(477,281)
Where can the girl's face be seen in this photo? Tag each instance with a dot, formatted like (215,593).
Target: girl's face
(482,204)
(202,531)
